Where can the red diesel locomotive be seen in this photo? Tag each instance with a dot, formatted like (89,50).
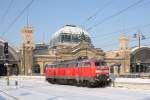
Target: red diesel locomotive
(90,73)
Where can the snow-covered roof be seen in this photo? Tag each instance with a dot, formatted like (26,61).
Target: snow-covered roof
(113,51)
(71,29)
(1,40)
(136,48)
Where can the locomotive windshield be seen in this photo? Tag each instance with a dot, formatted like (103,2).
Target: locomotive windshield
(100,64)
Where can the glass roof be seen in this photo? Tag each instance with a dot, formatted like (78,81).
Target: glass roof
(69,35)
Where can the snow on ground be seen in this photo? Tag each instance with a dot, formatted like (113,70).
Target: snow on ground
(133,80)
(37,88)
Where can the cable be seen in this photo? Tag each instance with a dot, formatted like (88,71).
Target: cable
(120,30)
(15,20)
(115,14)
(105,38)
(143,4)
(6,12)
(111,33)
(113,43)
(97,12)
(146,25)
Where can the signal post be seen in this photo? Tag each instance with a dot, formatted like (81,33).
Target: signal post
(6,60)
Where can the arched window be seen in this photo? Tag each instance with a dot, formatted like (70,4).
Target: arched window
(140,60)
(15,69)
(36,68)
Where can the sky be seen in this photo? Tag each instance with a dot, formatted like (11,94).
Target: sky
(48,16)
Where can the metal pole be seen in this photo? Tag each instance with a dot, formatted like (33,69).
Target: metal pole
(139,36)
(24,59)
(7,67)
(139,40)
(7,74)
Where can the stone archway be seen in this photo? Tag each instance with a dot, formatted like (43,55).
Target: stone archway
(36,69)
(115,68)
(140,60)
(3,70)
(15,69)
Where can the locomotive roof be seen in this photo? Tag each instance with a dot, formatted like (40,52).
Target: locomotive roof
(74,60)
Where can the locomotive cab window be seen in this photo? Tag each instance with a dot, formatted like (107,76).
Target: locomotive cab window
(53,66)
(73,64)
(48,65)
(100,64)
(87,64)
(66,65)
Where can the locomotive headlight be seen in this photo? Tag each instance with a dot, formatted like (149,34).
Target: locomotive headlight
(108,79)
(98,71)
(101,71)
(97,75)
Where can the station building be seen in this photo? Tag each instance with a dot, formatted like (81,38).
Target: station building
(69,42)
(72,42)
(128,59)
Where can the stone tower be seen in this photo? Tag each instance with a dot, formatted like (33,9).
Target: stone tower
(124,53)
(27,50)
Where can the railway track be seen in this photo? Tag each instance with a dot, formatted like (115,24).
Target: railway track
(10,96)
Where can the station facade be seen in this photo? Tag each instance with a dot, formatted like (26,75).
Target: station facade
(72,42)
(128,60)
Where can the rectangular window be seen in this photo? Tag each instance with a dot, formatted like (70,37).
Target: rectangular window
(65,37)
(75,38)
(100,64)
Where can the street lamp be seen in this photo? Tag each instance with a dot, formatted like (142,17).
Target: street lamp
(140,37)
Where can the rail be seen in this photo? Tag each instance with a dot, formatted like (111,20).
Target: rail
(10,96)
(132,75)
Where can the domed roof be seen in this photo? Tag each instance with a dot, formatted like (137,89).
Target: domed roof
(136,48)
(71,29)
(69,35)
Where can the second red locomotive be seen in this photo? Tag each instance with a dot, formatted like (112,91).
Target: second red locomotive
(90,73)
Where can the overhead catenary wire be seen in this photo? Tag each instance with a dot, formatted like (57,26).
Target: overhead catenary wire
(19,15)
(6,12)
(113,43)
(146,3)
(115,14)
(120,30)
(97,12)
(27,17)
(130,28)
